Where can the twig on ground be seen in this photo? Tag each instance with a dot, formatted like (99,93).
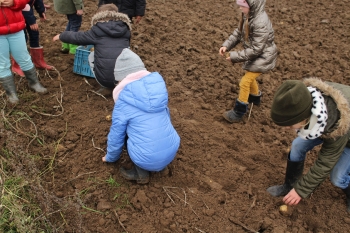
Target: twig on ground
(199,230)
(11,193)
(185,197)
(120,223)
(98,94)
(60,101)
(52,160)
(199,198)
(93,144)
(250,111)
(87,82)
(166,190)
(18,130)
(251,206)
(2,181)
(40,216)
(48,74)
(78,176)
(237,222)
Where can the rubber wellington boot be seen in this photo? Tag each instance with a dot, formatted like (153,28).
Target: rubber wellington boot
(65,48)
(136,173)
(8,83)
(33,81)
(15,68)
(38,58)
(235,115)
(105,91)
(293,173)
(72,48)
(347,193)
(255,99)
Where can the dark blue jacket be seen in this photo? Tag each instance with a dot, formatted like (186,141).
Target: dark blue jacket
(109,39)
(29,15)
(130,7)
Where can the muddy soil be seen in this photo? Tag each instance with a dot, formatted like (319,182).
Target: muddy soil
(218,180)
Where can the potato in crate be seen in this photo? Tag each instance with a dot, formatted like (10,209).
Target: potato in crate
(81,61)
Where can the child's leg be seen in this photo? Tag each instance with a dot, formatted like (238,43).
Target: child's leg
(74,25)
(245,86)
(74,22)
(254,88)
(340,175)
(300,147)
(5,62)
(18,49)
(33,38)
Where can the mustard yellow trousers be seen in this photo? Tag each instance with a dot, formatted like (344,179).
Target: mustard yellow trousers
(248,85)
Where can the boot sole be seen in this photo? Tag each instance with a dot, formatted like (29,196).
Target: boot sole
(229,120)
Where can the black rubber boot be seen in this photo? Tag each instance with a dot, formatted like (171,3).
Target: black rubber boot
(235,115)
(105,91)
(8,83)
(293,173)
(33,81)
(136,173)
(255,99)
(347,193)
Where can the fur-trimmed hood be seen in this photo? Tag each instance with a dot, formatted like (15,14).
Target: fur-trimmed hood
(335,91)
(105,16)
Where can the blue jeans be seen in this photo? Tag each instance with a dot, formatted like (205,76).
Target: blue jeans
(340,174)
(15,44)
(74,22)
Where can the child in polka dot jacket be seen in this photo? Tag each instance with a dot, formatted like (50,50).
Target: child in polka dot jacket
(320,114)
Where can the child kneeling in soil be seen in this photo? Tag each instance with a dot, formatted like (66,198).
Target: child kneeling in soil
(110,34)
(320,114)
(259,54)
(141,118)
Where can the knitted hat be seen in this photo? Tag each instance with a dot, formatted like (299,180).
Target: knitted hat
(127,63)
(291,104)
(242,3)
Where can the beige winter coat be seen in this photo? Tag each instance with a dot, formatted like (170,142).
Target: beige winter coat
(335,137)
(260,52)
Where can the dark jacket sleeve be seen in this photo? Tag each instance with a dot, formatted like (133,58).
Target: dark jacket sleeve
(39,7)
(80,38)
(140,7)
(328,156)
(29,16)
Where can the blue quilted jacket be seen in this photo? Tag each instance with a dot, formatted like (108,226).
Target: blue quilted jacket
(142,114)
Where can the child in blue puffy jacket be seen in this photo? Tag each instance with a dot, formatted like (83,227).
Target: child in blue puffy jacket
(141,118)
